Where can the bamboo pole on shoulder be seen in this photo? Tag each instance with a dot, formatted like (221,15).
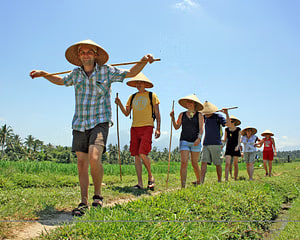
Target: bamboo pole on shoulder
(170,150)
(115,64)
(229,108)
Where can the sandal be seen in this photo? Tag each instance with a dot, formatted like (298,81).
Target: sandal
(195,183)
(151,185)
(137,187)
(97,204)
(80,210)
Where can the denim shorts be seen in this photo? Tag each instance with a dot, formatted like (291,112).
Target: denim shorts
(189,146)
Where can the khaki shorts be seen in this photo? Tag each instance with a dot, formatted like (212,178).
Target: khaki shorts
(95,136)
(249,157)
(212,154)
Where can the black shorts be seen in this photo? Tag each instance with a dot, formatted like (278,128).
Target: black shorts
(95,136)
(231,152)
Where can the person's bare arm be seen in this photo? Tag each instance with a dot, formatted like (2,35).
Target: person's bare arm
(274,147)
(125,111)
(178,123)
(137,68)
(53,78)
(157,115)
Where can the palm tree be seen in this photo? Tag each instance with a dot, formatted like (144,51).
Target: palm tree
(113,153)
(29,142)
(5,132)
(15,143)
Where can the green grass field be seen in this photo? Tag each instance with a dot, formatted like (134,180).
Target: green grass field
(227,210)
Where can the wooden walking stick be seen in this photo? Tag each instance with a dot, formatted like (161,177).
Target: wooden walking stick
(115,64)
(118,140)
(170,150)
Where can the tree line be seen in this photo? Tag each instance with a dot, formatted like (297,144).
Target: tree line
(14,148)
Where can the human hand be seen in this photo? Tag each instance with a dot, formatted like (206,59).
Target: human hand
(37,73)
(236,148)
(157,133)
(197,142)
(275,153)
(224,110)
(172,114)
(117,101)
(148,58)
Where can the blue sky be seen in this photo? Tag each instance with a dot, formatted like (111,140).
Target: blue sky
(229,52)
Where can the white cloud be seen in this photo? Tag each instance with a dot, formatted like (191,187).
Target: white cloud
(186,5)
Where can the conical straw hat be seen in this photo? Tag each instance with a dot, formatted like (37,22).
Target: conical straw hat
(254,130)
(209,108)
(193,97)
(267,132)
(237,121)
(72,53)
(140,77)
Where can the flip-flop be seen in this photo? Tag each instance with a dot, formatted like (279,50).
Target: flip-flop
(80,210)
(97,204)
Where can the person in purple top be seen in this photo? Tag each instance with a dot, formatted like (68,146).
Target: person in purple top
(212,144)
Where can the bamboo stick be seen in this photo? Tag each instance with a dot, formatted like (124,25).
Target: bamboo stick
(115,64)
(119,140)
(229,108)
(169,150)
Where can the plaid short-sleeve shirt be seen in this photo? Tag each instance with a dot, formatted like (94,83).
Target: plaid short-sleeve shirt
(93,95)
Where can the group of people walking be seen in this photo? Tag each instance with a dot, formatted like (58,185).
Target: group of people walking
(92,79)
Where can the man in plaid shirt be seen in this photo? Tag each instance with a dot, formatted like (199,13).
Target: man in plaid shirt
(92,81)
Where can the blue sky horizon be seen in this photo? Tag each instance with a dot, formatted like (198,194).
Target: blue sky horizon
(231,53)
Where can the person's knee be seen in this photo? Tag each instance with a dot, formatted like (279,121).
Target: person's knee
(184,164)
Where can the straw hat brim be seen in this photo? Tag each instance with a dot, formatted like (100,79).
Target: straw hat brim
(72,53)
(254,130)
(198,104)
(267,132)
(209,108)
(237,121)
(140,78)
(132,83)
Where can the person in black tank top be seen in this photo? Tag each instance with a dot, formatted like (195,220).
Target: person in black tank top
(191,122)
(232,137)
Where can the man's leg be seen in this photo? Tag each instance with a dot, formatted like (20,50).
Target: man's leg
(83,172)
(147,165)
(95,155)
(183,168)
(203,171)
(219,172)
(139,170)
